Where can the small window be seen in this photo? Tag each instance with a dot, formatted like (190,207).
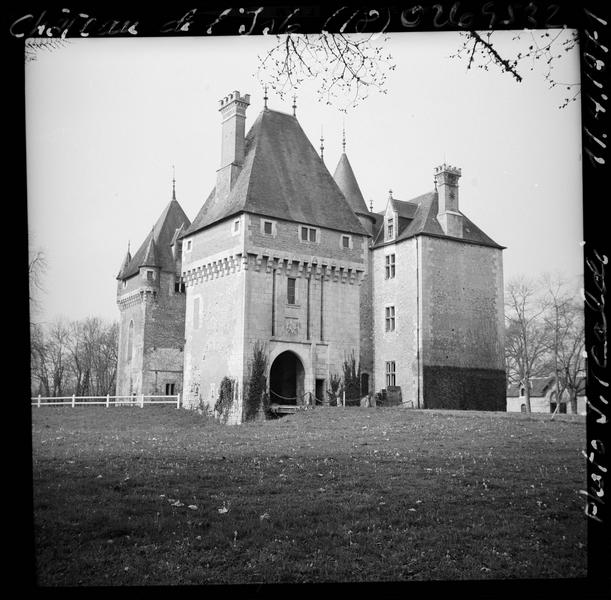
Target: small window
(346,241)
(522,391)
(390,318)
(179,287)
(189,245)
(268,227)
(124,283)
(390,374)
(290,290)
(236,226)
(390,266)
(169,389)
(390,228)
(309,234)
(150,275)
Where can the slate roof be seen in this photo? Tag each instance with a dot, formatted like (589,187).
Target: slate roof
(346,181)
(156,249)
(419,217)
(282,177)
(124,264)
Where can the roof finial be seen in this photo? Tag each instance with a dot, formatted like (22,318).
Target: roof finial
(294,105)
(322,146)
(265,98)
(370,205)
(390,194)
(128,242)
(344,137)
(173,183)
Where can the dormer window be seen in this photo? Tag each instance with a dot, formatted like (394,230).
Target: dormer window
(390,229)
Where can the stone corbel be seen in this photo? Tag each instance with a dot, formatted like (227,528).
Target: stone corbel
(244,262)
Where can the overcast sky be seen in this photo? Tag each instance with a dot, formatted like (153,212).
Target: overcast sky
(107,118)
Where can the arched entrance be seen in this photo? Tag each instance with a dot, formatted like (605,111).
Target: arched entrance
(286,379)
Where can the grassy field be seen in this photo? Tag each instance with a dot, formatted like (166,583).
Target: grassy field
(163,496)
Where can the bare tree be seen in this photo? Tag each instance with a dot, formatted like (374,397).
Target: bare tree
(78,357)
(526,337)
(37,267)
(39,361)
(565,322)
(57,354)
(533,48)
(346,67)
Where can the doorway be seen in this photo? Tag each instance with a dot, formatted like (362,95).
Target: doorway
(286,380)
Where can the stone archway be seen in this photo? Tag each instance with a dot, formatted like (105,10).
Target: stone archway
(286,379)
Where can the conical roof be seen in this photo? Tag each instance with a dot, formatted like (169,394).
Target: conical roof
(346,181)
(124,264)
(156,248)
(150,255)
(282,177)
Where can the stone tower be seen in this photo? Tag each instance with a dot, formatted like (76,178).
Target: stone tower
(275,257)
(151,301)
(438,303)
(347,183)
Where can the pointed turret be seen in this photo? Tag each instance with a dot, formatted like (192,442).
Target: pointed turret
(346,181)
(150,254)
(125,263)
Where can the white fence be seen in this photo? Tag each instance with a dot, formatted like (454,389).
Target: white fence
(106,401)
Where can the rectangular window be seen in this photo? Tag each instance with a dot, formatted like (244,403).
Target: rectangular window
(390,266)
(236,226)
(390,228)
(290,290)
(179,287)
(345,241)
(390,373)
(189,245)
(268,227)
(196,313)
(150,275)
(390,318)
(169,389)
(309,234)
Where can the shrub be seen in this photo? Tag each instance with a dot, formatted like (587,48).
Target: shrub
(225,400)
(255,397)
(352,378)
(334,388)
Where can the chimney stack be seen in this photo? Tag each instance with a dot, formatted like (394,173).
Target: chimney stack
(233,127)
(448,215)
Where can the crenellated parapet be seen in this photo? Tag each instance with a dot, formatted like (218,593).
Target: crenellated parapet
(139,296)
(286,264)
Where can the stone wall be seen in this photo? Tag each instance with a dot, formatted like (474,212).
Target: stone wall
(462,325)
(158,341)
(400,345)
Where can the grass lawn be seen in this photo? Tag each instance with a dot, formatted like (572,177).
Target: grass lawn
(164,496)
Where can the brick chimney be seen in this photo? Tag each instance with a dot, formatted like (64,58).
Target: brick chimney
(233,113)
(448,216)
